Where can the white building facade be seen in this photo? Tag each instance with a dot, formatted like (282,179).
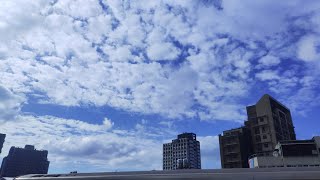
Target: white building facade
(182,153)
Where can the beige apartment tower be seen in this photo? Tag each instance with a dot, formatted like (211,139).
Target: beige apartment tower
(269,122)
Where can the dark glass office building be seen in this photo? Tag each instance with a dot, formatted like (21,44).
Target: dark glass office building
(22,161)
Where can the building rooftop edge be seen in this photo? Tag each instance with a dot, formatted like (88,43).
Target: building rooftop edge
(28,149)
(270,97)
(234,129)
(276,101)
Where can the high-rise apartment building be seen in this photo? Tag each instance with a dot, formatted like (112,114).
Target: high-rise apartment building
(268,122)
(21,161)
(2,138)
(182,153)
(235,148)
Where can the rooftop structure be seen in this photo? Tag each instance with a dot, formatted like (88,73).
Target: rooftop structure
(297,153)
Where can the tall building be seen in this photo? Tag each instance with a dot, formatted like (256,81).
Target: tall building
(21,161)
(182,153)
(2,137)
(268,122)
(235,148)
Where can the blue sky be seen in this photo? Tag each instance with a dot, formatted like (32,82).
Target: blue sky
(103,84)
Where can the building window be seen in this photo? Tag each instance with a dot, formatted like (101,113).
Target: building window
(266,145)
(256,131)
(259,147)
(261,119)
(258,138)
(264,136)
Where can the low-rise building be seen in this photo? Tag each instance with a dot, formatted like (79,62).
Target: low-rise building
(296,153)
(235,147)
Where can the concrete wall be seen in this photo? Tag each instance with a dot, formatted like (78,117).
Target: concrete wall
(267,161)
(270,161)
(301,161)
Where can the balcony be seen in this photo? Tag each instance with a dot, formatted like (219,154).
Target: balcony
(231,152)
(233,161)
(231,143)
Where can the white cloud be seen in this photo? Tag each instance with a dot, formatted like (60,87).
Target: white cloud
(98,27)
(269,61)
(10,104)
(108,123)
(19,16)
(307,94)
(87,147)
(308,48)
(162,51)
(122,54)
(78,8)
(74,53)
(267,75)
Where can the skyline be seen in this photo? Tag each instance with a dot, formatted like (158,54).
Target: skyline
(82,74)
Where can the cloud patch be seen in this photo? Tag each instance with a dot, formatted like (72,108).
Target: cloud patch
(10,104)
(76,144)
(309,48)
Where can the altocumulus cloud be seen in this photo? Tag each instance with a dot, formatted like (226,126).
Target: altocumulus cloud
(113,52)
(10,104)
(178,59)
